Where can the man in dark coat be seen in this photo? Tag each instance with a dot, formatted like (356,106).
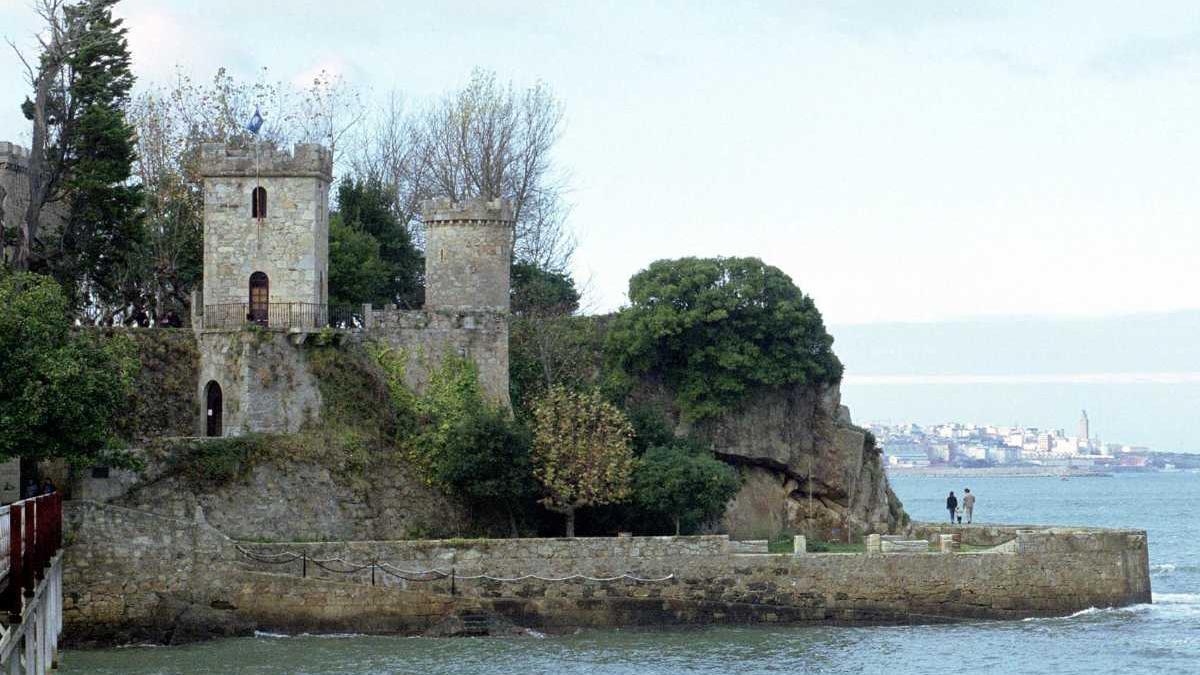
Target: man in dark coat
(952,505)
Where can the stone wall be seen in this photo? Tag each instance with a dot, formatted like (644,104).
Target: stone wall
(290,245)
(14,187)
(135,575)
(427,336)
(265,383)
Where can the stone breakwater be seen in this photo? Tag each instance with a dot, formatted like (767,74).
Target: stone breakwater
(135,576)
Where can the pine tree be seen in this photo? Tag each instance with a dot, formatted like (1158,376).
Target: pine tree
(93,255)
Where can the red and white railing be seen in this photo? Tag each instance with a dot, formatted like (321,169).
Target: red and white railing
(31,537)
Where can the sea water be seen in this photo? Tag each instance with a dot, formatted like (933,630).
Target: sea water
(1163,637)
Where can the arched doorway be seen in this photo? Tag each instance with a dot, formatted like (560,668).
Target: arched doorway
(213,409)
(260,298)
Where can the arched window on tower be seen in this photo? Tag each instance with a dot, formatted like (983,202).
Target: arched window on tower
(258,203)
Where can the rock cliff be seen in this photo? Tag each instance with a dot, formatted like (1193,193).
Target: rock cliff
(806,467)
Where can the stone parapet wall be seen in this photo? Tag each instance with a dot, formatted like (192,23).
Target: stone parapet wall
(427,336)
(125,566)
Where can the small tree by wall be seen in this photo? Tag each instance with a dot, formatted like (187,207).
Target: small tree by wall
(683,482)
(581,452)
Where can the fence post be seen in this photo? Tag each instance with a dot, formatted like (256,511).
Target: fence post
(372,572)
(15,558)
(452,574)
(30,548)
(304,564)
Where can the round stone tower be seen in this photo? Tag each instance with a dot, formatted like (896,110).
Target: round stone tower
(468,254)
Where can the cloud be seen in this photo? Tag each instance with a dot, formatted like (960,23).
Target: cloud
(1144,55)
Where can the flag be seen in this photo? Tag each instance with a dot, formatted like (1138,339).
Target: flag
(255,123)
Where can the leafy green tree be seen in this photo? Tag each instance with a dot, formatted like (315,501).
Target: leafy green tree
(581,453)
(92,255)
(393,271)
(357,274)
(486,461)
(537,292)
(714,328)
(59,390)
(683,482)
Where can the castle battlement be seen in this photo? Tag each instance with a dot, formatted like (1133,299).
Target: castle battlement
(307,159)
(13,156)
(435,211)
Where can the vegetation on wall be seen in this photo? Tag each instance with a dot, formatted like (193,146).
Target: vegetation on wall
(715,328)
(162,400)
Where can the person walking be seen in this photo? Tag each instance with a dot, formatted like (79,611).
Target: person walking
(968,503)
(952,505)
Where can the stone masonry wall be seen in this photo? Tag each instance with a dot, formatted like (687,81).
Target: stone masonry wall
(427,336)
(265,383)
(133,574)
(290,245)
(14,186)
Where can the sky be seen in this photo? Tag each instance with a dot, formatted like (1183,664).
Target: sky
(902,161)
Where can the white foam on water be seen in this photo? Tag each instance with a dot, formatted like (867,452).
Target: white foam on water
(1176,598)
(265,634)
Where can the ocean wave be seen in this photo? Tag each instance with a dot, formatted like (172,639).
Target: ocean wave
(1176,599)
(1094,611)
(334,636)
(1174,568)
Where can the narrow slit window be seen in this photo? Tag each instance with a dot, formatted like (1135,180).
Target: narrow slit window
(258,203)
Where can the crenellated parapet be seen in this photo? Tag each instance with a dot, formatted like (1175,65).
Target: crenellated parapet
(305,160)
(13,157)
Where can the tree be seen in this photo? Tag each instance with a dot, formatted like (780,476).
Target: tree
(486,461)
(92,253)
(581,452)
(714,328)
(60,390)
(53,119)
(394,275)
(357,273)
(485,140)
(684,482)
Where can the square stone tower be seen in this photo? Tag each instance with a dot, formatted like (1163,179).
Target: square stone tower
(266,227)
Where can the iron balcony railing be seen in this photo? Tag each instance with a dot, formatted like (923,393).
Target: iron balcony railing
(283,316)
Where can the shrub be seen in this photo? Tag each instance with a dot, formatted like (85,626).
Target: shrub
(683,482)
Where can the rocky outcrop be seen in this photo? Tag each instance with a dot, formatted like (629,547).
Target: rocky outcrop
(806,467)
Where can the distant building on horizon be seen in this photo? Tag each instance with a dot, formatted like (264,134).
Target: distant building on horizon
(1084,431)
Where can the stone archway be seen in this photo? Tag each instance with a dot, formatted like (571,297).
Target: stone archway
(214,410)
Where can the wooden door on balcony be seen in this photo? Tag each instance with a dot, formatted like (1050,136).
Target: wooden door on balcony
(260,298)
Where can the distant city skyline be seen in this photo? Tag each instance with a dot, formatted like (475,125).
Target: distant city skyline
(901,161)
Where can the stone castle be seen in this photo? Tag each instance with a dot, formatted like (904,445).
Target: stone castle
(266,267)
(14,186)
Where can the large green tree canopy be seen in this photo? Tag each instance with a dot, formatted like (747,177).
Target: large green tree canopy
(714,328)
(59,390)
